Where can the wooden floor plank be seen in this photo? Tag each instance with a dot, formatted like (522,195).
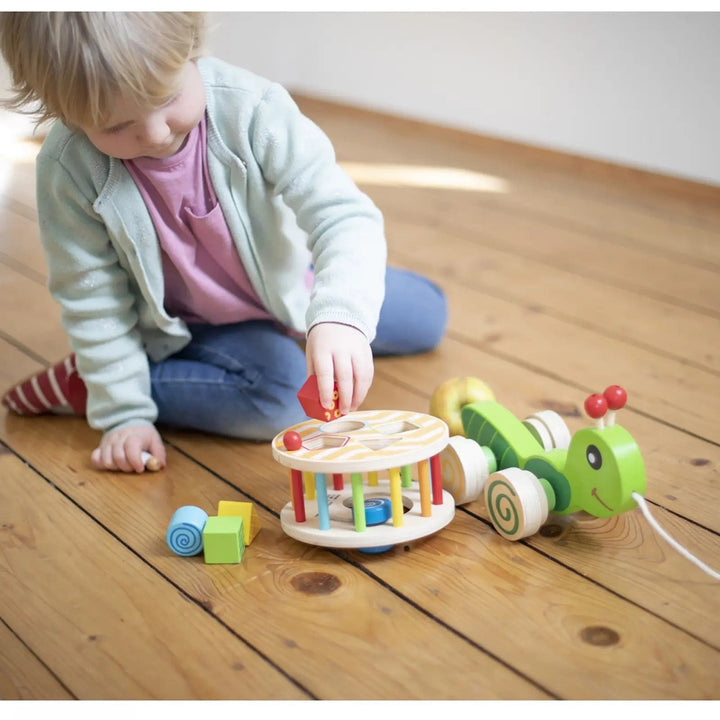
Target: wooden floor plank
(22,298)
(609,258)
(468,567)
(512,587)
(22,675)
(20,244)
(357,629)
(563,276)
(101,619)
(17,364)
(665,388)
(658,325)
(538,185)
(633,558)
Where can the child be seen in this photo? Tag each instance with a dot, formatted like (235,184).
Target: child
(196,226)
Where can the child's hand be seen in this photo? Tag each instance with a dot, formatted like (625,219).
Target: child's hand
(122,449)
(341,354)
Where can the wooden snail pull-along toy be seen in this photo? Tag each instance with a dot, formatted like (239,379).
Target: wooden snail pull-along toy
(529,469)
(532,468)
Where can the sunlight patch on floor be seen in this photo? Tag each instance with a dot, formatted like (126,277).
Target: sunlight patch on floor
(15,150)
(427,176)
(17,145)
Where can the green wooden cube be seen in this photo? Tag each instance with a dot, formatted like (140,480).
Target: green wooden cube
(223,540)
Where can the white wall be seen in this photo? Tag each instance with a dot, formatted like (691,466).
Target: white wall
(639,89)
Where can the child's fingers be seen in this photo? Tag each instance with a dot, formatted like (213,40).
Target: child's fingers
(131,449)
(157,450)
(325,389)
(363,371)
(96,459)
(324,372)
(129,455)
(106,457)
(122,460)
(363,381)
(345,382)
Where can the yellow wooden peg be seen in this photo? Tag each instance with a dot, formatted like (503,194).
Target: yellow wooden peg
(396,497)
(424,481)
(309,482)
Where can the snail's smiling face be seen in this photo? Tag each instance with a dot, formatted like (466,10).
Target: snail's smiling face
(604,468)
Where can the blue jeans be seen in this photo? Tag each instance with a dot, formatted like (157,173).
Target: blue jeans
(241,380)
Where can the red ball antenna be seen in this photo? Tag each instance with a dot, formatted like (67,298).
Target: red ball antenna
(616,398)
(596,406)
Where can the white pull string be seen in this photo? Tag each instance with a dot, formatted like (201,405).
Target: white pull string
(640,500)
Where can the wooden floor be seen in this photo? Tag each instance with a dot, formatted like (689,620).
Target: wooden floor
(563,276)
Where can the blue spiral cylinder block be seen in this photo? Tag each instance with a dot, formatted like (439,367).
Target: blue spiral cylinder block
(185,532)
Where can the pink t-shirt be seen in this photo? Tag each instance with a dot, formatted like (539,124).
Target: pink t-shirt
(205,281)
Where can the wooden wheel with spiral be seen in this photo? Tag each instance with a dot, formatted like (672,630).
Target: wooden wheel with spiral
(516,502)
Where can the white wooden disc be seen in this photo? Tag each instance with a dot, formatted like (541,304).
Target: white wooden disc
(464,469)
(342,533)
(516,502)
(550,425)
(540,432)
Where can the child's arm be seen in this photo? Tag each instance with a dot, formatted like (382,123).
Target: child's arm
(345,236)
(98,308)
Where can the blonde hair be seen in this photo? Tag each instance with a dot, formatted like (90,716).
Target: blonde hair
(73,65)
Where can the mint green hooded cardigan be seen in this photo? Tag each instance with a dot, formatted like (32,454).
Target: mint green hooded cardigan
(286,202)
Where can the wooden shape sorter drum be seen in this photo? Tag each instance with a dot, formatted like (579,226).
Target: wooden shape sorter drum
(371,454)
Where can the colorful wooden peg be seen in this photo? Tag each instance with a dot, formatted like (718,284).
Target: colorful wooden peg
(436,474)
(298,497)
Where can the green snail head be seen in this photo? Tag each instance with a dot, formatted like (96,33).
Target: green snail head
(604,465)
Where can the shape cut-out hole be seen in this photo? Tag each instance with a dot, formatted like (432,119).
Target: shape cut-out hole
(378,443)
(318,442)
(399,426)
(342,426)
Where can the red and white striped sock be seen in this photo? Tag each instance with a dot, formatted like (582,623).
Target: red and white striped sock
(58,389)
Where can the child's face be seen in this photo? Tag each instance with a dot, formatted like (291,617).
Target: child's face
(133,131)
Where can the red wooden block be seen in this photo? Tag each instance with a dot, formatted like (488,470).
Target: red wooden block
(310,401)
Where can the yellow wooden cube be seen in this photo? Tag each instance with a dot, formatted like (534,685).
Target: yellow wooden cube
(245,510)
